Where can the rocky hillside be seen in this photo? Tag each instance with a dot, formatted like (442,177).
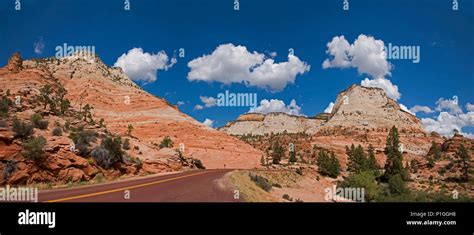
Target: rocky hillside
(112,105)
(260,124)
(361,116)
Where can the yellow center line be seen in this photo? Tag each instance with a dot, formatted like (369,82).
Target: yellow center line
(122,189)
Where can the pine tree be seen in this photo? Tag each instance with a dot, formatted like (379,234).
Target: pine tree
(278,153)
(359,161)
(328,165)
(262,161)
(394,163)
(334,167)
(464,157)
(350,156)
(372,164)
(292,156)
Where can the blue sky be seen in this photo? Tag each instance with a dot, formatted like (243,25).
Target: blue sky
(445,38)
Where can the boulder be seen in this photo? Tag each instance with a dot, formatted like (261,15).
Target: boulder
(72,175)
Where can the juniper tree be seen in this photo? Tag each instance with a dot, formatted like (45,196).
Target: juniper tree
(130,129)
(165,143)
(44,96)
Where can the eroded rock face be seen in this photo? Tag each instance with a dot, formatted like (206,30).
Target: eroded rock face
(360,106)
(260,124)
(15,63)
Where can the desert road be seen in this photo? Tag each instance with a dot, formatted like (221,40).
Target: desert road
(191,186)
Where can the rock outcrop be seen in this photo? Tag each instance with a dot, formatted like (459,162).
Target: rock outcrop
(15,63)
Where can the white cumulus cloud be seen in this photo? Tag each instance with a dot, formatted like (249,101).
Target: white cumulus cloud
(368,56)
(470,107)
(235,64)
(208,101)
(277,106)
(420,108)
(450,105)
(446,123)
(390,89)
(208,122)
(143,66)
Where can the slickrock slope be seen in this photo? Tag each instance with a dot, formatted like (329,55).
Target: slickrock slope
(120,102)
(260,124)
(369,107)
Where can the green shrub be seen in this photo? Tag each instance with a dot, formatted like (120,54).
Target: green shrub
(364,179)
(4,106)
(10,167)
(132,160)
(82,140)
(39,122)
(109,152)
(166,143)
(22,130)
(57,131)
(261,182)
(102,157)
(397,185)
(33,148)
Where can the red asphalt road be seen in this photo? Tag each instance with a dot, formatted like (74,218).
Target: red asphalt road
(192,186)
